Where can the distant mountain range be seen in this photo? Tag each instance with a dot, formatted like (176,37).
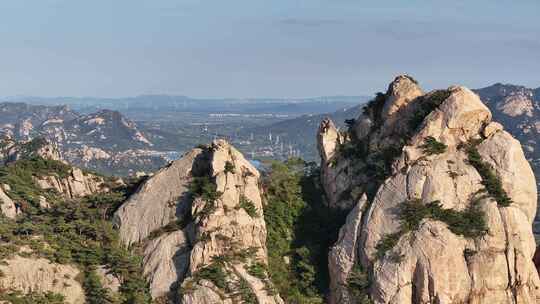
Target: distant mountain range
(105,140)
(167,103)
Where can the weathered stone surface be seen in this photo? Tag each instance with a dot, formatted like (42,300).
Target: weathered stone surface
(432,264)
(166,261)
(401,91)
(343,254)
(162,199)
(31,274)
(491,128)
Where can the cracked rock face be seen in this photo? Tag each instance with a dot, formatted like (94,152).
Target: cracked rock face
(220,226)
(431,263)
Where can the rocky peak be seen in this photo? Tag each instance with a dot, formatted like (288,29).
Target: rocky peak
(328,138)
(433,191)
(108,128)
(200,223)
(400,92)
(104,141)
(24,121)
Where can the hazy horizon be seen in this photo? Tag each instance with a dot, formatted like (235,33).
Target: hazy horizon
(256,49)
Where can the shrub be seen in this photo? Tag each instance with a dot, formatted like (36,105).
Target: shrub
(229,167)
(386,243)
(76,232)
(353,149)
(301,227)
(94,291)
(248,206)
(469,223)
(426,105)
(490,180)
(350,122)
(170,227)
(246,294)
(16,297)
(374,108)
(205,189)
(358,284)
(431,146)
(257,270)
(214,273)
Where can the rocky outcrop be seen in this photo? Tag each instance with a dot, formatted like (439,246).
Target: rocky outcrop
(162,199)
(335,177)
(104,141)
(75,184)
(201,225)
(40,275)
(450,203)
(7,205)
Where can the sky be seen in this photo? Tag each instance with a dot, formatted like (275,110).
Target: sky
(256,48)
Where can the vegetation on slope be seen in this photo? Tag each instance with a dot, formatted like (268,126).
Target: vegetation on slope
(301,228)
(71,232)
(431,146)
(31,298)
(490,180)
(469,222)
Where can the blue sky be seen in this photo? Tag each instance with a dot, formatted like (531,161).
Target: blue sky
(257,48)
